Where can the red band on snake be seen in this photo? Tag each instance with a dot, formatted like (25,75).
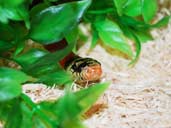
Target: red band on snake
(84,70)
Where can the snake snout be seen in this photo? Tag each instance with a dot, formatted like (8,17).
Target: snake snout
(93,73)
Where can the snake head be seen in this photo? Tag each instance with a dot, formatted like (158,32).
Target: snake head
(85,70)
(92,72)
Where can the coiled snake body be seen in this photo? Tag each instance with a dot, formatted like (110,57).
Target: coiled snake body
(84,70)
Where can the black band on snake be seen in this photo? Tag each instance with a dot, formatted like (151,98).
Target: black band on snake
(84,70)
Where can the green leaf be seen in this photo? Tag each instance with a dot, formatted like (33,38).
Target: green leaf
(95,38)
(70,107)
(87,97)
(11,2)
(14,116)
(133,8)
(4,109)
(60,77)
(62,19)
(20,36)
(10,80)
(66,110)
(19,47)
(48,62)
(112,35)
(53,0)
(37,9)
(96,5)
(16,13)
(6,33)
(149,9)
(29,57)
(133,23)
(143,36)
(4,46)
(37,114)
(26,116)
(163,22)
(137,45)
(72,36)
(131,34)
(119,5)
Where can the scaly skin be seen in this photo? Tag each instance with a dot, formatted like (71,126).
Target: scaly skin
(84,70)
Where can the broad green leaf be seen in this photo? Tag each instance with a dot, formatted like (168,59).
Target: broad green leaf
(131,34)
(26,116)
(53,0)
(14,116)
(72,36)
(20,36)
(19,47)
(4,46)
(67,107)
(133,23)
(94,40)
(111,34)
(62,19)
(6,33)
(149,9)
(17,13)
(163,22)
(87,97)
(19,28)
(143,36)
(70,107)
(37,114)
(13,34)
(133,8)
(140,25)
(49,61)
(42,70)
(60,77)
(137,45)
(66,110)
(11,2)
(4,109)
(37,9)
(9,74)
(119,5)
(10,80)
(96,5)
(30,57)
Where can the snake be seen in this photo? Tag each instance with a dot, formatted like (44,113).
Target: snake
(83,69)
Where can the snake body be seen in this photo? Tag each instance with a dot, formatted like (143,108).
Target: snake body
(84,70)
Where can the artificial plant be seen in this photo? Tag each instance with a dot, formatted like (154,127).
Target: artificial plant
(47,22)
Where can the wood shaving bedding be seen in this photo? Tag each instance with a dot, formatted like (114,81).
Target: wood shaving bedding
(138,97)
(40,92)
(138,107)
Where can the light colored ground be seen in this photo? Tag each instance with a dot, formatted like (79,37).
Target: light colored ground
(138,97)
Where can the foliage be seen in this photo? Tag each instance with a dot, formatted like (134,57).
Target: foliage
(48,22)
(21,112)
